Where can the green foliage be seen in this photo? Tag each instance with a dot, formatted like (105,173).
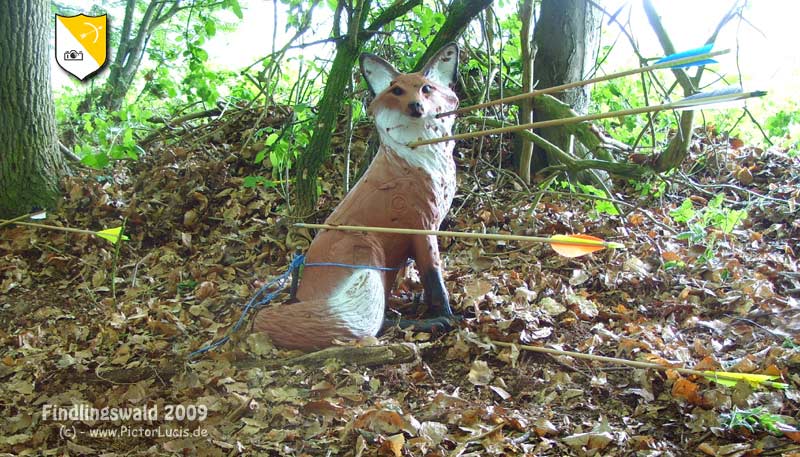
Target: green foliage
(713,215)
(722,218)
(101,137)
(180,59)
(187,286)
(650,187)
(254,181)
(281,146)
(684,213)
(755,420)
(674,265)
(601,205)
(626,93)
(778,124)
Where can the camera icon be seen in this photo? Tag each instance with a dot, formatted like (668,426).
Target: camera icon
(73,55)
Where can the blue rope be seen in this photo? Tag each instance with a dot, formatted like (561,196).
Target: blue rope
(256,302)
(279,283)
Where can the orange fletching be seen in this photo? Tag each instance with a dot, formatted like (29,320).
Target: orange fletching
(574,249)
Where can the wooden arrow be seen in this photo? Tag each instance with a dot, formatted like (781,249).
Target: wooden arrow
(695,101)
(686,58)
(566,245)
(721,377)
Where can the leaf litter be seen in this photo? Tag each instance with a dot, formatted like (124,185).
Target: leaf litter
(81,326)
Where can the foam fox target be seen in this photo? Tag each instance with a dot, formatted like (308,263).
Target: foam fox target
(348,276)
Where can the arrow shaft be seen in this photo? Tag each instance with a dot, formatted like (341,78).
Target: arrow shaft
(15,220)
(550,90)
(591,117)
(49,227)
(630,363)
(486,236)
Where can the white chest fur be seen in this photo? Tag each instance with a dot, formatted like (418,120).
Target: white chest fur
(397,130)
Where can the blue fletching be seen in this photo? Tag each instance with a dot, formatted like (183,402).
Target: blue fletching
(692,52)
(695,64)
(716,98)
(730,90)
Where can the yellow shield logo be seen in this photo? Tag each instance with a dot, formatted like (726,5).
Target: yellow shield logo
(81,43)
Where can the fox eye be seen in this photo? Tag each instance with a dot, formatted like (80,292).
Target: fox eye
(397,91)
(426,89)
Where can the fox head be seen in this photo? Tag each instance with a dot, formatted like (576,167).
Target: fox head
(406,104)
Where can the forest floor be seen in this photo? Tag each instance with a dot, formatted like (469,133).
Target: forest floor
(709,279)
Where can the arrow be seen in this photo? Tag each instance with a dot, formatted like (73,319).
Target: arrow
(16,219)
(716,97)
(112,235)
(95,30)
(698,56)
(688,102)
(721,377)
(566,245)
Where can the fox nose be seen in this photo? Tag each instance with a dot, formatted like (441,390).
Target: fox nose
(415,109)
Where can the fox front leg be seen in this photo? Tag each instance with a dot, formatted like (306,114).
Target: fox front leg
(426,255)
(435,293)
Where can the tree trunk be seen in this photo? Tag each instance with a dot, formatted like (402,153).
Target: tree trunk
(527,52)
(30,164)
(310,160)
(348,48)
(565,38)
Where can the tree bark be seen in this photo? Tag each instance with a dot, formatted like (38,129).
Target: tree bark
(310,160)
(30,163)
(528,53)
(348,48)
(565,37)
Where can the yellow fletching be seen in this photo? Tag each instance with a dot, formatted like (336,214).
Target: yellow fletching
(576,245)
(113,234)
(730,379)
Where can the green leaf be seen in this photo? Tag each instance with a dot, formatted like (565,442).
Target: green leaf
(684,213)
(674,264)
(271,139)
(210,27)
(236,8)
(250,181)
(96,161)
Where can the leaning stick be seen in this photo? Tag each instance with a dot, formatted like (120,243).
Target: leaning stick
(634,363)
(550,90)
(591,117)
(485,236)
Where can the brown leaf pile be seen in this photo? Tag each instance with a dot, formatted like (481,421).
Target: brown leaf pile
(85,326)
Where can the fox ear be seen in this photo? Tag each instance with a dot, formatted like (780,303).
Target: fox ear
(443,67)
(378,72)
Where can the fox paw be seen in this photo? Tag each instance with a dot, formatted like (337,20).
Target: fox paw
(441,324)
